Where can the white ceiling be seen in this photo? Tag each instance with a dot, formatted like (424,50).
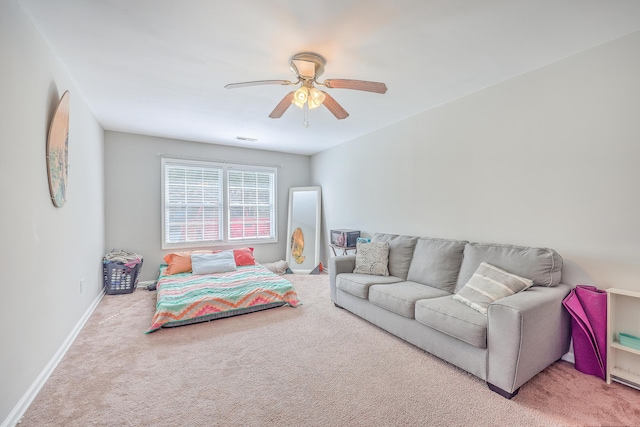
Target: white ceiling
(158,67)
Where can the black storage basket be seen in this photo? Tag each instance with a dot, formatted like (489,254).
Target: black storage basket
(120,279)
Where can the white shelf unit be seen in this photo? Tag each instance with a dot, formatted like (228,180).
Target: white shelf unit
(623,315)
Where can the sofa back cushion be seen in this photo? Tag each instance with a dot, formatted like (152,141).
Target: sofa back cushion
(400,252)
(436,262)
(542,265)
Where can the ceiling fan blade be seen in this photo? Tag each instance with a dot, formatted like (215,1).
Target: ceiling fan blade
(258,83)
(366,86)
(334,107)
(282,106)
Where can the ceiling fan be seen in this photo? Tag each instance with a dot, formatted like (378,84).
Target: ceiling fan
(307,67)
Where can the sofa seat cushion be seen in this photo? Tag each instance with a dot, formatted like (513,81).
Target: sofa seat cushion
(436,262)
(358,284)
(400,298)
(454,319)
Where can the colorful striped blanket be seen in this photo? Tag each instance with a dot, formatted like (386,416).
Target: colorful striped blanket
(187,298)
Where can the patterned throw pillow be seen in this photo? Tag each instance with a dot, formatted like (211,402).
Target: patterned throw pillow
(372,258)
(489,284)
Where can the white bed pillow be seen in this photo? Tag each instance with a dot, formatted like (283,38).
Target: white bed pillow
(221,262)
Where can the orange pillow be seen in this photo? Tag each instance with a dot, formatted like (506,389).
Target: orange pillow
(178,263)
(244,256)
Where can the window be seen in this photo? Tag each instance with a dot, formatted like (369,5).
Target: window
(207,203)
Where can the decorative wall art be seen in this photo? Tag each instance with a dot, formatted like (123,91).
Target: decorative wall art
(58,153)
(297,245)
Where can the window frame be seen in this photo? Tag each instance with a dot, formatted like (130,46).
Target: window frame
(225,224)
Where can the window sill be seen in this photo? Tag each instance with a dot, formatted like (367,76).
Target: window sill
(221,245)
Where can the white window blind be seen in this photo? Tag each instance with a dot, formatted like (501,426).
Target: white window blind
(252,207)
(208,203)
(193,203)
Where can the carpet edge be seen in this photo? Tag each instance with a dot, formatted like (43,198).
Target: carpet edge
(15,416)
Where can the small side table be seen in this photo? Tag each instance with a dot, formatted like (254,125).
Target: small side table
(336,249)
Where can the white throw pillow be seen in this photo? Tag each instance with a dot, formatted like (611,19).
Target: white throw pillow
(221,262)
(372,258)
(489,284)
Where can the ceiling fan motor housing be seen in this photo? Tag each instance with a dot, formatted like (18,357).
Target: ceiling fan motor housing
(307,65)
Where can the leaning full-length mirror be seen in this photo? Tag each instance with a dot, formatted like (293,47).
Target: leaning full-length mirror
(303,233)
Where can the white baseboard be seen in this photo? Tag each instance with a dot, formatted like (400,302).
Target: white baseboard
(569,357)
(145,284)
(18,411)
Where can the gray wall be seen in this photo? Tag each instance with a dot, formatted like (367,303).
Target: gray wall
(133,211)
(45,250)
(551,158)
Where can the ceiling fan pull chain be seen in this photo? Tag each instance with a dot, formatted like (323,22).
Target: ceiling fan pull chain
(305,122)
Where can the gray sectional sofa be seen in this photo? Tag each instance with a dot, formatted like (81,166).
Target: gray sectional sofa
(519,336)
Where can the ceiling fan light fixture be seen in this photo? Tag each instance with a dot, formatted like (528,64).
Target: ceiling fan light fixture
(300,97)
(313,104)
(316,98)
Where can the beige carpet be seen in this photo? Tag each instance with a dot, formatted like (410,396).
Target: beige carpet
(315,365)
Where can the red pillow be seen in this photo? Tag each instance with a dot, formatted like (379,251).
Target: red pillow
(244,256)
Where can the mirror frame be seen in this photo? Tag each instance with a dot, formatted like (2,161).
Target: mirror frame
(316,255)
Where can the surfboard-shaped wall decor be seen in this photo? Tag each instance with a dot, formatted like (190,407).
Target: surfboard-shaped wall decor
(58,152)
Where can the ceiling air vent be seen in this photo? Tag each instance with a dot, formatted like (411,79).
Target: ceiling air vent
(245,138)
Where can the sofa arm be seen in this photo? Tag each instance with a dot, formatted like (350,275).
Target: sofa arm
(337,265)
(526,332)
